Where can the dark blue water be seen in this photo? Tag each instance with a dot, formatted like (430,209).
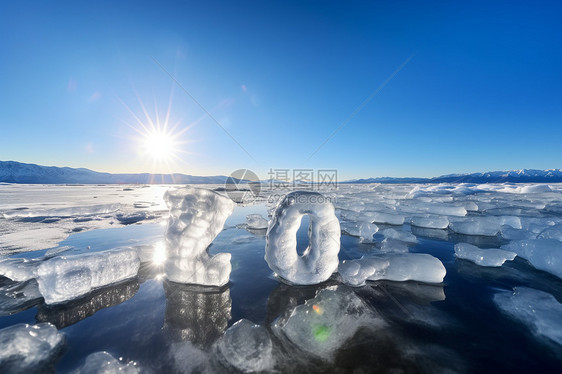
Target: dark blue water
(454,326)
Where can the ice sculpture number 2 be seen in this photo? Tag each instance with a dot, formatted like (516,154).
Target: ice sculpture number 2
(197,216)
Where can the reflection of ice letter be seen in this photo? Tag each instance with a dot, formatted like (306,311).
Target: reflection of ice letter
(197,314)
(197,216)
(320,259)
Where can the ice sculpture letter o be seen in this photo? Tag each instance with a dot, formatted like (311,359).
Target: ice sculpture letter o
(320,259)
(197,216)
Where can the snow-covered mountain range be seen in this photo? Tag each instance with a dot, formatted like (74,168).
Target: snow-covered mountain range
(513,176)
(17,172)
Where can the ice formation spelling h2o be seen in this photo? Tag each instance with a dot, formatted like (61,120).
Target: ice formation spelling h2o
(320,259)
(197,216)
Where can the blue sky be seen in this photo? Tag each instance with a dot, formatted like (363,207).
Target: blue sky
(481,89)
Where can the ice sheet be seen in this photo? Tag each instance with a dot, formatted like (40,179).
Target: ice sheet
(538,310)
(543,254)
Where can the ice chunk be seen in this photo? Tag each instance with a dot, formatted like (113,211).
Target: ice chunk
(247,347)
(470,206)
(197,216)
(395,267)
(539,310)
(388,218)
(25,348)
(509,233)
(403,236)
(543,254)
(69,277)
(320,259)
(484,257)
(64,212)
(256,222)
(130,218)
(553,232)
(18,269)
(364,230)
(483,226)
(104,363)
(323,324)
(430,222)
(393,246)
(536,188)
(443,210)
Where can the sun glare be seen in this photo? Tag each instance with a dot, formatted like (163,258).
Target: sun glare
(158,141)
(159,145)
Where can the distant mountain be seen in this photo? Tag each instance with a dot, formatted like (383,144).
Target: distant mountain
(512,176)
(17,172)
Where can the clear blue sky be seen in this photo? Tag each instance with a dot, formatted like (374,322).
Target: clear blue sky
(483,90)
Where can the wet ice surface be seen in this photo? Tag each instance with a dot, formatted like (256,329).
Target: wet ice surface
(479,319)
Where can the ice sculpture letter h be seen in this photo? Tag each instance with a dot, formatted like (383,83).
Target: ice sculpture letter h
(320,259)
(197,216)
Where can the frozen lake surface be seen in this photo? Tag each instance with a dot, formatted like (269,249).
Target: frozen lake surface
(498,308)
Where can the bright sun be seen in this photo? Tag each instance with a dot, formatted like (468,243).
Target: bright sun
(158,139)
(159,145)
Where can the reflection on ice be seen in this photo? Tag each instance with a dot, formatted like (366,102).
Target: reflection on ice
(419,293)
(70,313)
(197,314)
(16,297)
